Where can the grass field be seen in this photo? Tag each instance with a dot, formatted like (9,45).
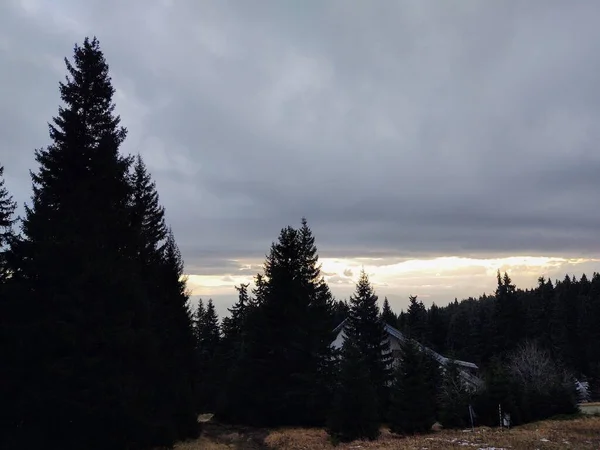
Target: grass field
(578,434)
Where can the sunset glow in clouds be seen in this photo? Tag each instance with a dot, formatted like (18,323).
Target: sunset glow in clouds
(437,280)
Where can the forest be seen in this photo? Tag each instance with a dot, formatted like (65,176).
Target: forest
(102,348)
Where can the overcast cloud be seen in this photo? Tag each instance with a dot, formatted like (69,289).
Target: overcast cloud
(400,129)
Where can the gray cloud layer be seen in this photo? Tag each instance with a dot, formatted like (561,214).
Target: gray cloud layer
(408,128)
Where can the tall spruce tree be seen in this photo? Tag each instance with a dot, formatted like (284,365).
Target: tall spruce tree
(85,323)
(282,376)
(314,388)
(366,328)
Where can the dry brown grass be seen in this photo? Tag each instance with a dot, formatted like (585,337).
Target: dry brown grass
(579,434)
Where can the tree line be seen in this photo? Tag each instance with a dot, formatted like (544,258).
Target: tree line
(102,350)
(365,387)
(560,317)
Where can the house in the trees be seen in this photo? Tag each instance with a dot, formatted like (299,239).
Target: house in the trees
(468,370)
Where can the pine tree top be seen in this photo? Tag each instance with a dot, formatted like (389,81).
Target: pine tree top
(211,314)
(232,325)
(88,93)
(243,300)
(82,170)
(88,118)
(387,315)
(200,311)
(364,324)
(172,255)
(207,327)
(363,303)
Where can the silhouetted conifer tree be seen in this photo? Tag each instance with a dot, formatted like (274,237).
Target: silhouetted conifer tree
(284,374)
(233,346)
(354,414)
(387,315)
(233,325)
(198,318)
(86,322)
(416,320)
(366,328)
(209,334)
(209,356)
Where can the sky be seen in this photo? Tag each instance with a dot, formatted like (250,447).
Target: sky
(429,142)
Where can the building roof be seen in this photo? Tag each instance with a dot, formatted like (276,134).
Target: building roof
(398,335)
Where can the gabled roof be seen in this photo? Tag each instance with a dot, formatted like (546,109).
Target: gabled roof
(398,335)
